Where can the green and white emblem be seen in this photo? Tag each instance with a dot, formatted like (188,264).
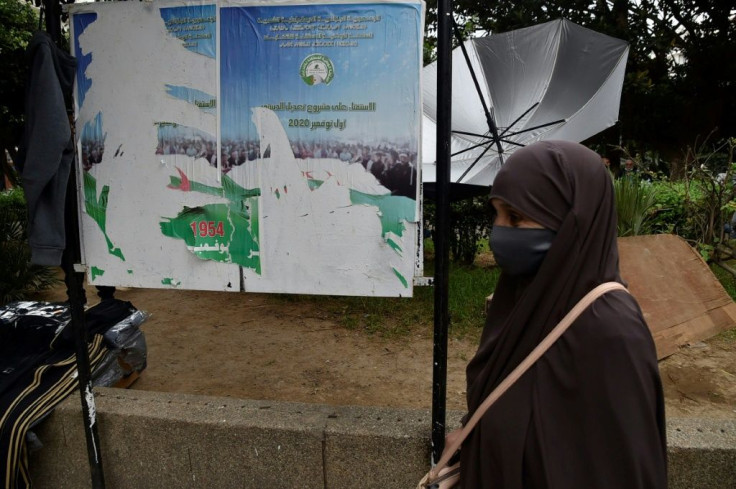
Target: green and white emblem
(316,69)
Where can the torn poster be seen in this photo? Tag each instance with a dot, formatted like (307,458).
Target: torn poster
(250,146)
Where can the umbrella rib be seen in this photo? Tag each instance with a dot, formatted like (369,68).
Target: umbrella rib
(503,140)
(536,127)
(470,148)
(484,136)
(503,137)
(476,161)
(489,118)
(508,141)
(519,118)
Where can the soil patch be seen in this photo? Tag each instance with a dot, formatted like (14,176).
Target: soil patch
(260,346)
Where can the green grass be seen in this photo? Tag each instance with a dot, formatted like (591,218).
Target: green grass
(727,280)
(469,288)
(395,318)
(390,317)
(729,283)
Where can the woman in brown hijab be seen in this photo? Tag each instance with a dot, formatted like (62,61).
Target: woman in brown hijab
(590,413)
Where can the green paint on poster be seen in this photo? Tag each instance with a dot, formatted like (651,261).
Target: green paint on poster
(394,245)
(394,210)
(401,278)
(235,240)
(314,184)
(255,224)
(96,272)
(244,248)
(96,208)
(235,193)
(227,233)
(229,190)
(170,281)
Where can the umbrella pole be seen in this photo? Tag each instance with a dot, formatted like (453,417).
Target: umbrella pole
(442,226)
(489,117)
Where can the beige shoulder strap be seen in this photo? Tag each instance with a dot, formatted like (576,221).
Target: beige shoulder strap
(540,349)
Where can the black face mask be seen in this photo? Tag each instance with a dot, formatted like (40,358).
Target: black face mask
(520,251)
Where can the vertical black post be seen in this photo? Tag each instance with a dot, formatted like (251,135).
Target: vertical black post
(75,289)
(442,226)
(53,19)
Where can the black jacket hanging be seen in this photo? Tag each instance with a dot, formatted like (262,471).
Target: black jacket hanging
(47,149)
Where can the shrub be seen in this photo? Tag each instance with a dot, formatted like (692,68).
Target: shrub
(670,211)
(470,223)
(710,188)
(635,201)
(698,206)
(17,276)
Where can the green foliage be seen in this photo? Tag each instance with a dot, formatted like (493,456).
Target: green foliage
(711,193)
(635,200)
(17,276)
(727,280)
(729,283)
(470,223)
(670,212)
(698,206)
(18,20)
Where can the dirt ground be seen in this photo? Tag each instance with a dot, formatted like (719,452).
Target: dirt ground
(259,346)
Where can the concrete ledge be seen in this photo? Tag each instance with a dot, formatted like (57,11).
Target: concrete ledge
(158,440)
(701,453)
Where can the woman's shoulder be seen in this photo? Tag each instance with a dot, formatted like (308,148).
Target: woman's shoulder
(615,318)
(615,305)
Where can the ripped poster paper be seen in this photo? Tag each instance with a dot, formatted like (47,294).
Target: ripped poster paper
(273,146)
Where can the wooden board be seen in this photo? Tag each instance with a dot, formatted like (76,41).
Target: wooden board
(683,302)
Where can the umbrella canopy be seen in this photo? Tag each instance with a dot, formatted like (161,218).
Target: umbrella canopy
(555,80)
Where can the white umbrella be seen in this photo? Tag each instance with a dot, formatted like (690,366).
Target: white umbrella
(555,80)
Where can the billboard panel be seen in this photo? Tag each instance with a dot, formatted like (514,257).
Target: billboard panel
(258,147)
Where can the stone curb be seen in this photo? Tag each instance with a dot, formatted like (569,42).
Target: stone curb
(162,440)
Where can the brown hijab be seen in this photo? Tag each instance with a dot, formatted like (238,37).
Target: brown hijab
(590,413)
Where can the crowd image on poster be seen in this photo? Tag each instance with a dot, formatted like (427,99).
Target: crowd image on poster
(259,147)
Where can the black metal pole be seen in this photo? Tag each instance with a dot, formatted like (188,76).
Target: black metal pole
(442,226)
(75,289)
(53,19)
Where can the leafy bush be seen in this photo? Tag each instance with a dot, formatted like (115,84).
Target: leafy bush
(635,200)
(711,193)
(670,211)
(17,276)
(699,205)
(470,224)
(470,220)
(19,20)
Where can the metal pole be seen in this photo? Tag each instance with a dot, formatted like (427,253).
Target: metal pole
(75,290)
(53,19)
(442,226)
